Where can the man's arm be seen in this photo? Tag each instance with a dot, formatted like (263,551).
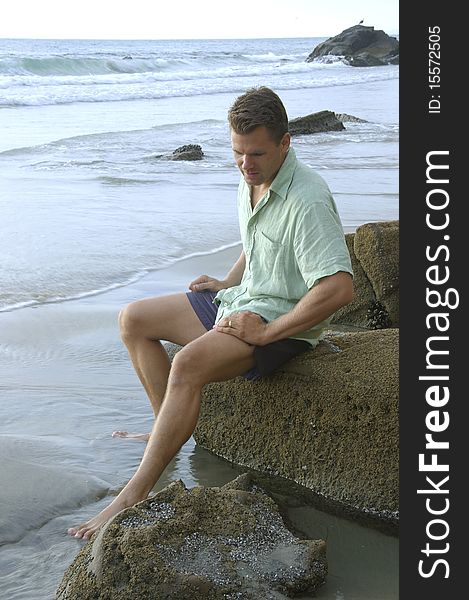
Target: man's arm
(319,303)
(205,283)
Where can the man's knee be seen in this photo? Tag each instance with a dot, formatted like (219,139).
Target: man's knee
(187,369)
(131,320)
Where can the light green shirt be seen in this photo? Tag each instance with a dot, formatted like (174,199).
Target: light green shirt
(291,239)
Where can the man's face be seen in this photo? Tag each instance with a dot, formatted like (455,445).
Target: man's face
(258,157)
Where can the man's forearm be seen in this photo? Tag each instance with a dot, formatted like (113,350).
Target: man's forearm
(235,274)
(318,304)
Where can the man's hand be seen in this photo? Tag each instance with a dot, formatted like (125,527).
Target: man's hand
(205,283)
(247,326)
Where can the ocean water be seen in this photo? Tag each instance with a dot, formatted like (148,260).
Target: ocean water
(88,200)
(93,215)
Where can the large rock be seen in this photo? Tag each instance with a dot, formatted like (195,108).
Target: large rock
(324,120)
(328,420)
(360,46)
(376,246)
(345,118)
(374,251)
(203,543)
(188,152)
(357,312)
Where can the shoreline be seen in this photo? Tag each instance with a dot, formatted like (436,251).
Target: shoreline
(132,280)
(219,260)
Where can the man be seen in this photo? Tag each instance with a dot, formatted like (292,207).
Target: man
(294,272)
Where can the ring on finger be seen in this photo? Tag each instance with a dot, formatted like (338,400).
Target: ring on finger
(230,323)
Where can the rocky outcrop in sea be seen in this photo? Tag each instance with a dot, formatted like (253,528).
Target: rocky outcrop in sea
(359,46)
(324,120)
(320,122)
(188,152)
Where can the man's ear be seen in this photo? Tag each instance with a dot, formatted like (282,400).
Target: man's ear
(285,141)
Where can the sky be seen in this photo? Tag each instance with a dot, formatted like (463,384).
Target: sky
(183,19)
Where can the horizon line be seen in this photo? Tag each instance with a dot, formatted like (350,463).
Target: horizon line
(168,39)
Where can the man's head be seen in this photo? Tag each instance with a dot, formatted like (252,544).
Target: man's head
(259,107)
(259,135)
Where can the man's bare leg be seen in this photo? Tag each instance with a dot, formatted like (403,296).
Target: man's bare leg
(212,357)
(143,324)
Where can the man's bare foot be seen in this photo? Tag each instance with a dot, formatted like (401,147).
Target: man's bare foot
(143,437)
(86,530)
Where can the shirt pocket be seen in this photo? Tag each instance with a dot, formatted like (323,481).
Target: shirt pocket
(272,261)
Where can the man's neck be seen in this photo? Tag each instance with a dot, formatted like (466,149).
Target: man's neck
(257,192)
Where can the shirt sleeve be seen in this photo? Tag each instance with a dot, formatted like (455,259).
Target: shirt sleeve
(319,243)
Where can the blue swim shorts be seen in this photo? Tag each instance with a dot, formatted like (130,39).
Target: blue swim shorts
(268,357)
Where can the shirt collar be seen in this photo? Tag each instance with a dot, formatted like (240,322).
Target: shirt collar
(282,180)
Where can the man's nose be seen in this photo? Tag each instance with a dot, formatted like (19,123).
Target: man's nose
(247,162)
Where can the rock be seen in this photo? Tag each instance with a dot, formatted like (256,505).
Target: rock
(187,152)
(328,420)
(356,313)
(360,46)
(324,120)
(374,251)
(376,246)
(203,543)
(344,118)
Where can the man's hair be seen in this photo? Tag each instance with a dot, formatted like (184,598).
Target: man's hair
(259,107)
